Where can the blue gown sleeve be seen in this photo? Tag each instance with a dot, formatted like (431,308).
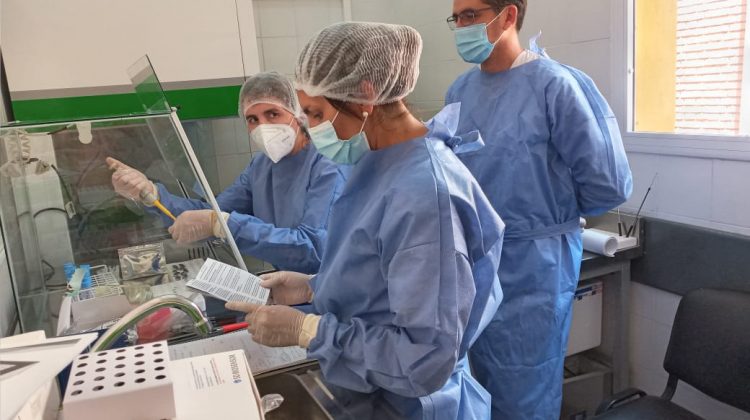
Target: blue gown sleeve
(430,291)
(297,248)
(237,197)
(585,133)
(176,205)
(416,355)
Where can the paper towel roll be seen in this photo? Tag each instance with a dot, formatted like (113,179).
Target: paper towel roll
(599,242)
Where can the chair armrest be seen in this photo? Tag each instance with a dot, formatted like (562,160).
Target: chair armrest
(619,398)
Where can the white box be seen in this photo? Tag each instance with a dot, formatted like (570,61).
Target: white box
(216,386)
(130,383)
(586,326)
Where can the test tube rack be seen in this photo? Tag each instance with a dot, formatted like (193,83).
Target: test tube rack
(131,383)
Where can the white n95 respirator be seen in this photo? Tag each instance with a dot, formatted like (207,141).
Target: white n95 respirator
(273,140)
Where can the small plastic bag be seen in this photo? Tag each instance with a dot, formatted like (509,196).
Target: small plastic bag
(142,260)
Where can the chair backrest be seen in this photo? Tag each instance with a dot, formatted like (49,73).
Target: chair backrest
(710,345)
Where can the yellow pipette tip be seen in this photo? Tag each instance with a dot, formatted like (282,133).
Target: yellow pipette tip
(163,209)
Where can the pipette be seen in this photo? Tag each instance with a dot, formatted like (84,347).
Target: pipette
(149,198)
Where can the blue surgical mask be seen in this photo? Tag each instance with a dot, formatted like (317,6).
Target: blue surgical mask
(345,152)
(472,42)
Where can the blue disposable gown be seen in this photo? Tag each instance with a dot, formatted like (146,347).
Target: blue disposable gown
(407,283)
(278,212)
(553,153)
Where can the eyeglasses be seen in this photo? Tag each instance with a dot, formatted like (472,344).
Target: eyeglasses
(466,18)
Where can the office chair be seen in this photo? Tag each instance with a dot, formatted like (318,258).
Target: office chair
(709,349)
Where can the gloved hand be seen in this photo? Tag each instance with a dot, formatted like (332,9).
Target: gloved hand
(192,226)
(288,287)
(131,183)
(277,325)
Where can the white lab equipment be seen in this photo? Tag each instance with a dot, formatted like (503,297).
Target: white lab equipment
(586,326)
(606,243)
(128,383)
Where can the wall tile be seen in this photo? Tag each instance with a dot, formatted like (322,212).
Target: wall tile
(276,18)
(222,135)
(552,18)
(439,43)
(731,195)
(648,343)
(261,59)
(641,299)
(241,162)
(644,167)
(590,20)
(335,11)
(664,307)
(242,137)
(226,170)
(654,304)
(684,186)
(280,54)
(375,10)
(435,78)
(653,382)
(311,16)
(211,171)
(591,57)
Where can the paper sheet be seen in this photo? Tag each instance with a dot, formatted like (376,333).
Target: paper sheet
(260,357)
(29,362)
(229,283)
(216,386)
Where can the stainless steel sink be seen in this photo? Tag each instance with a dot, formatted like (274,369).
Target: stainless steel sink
(298,402)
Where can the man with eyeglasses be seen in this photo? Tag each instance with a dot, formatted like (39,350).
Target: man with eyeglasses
(553,153)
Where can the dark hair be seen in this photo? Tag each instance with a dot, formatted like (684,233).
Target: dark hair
(500,4)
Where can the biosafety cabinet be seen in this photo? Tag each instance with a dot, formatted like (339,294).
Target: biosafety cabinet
(61,216)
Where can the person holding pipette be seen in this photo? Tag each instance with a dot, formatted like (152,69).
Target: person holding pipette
(279,206)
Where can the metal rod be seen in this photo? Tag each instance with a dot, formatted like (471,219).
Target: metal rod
(638,213)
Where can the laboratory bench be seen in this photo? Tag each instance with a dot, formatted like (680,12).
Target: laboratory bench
(596,373)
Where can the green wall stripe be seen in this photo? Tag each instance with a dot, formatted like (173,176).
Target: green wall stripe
(198,103)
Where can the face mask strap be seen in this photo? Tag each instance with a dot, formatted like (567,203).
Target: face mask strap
(364,114)
(491,22)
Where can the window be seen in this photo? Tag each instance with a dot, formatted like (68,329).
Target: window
(692,67)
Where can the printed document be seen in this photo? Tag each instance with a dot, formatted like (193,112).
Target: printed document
(229,283)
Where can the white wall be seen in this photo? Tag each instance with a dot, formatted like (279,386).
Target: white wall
(283,27)
(705,192)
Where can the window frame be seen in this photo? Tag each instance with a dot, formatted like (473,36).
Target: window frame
(622,100)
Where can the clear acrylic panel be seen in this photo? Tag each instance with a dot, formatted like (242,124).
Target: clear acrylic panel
(147,86)
(58,206)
